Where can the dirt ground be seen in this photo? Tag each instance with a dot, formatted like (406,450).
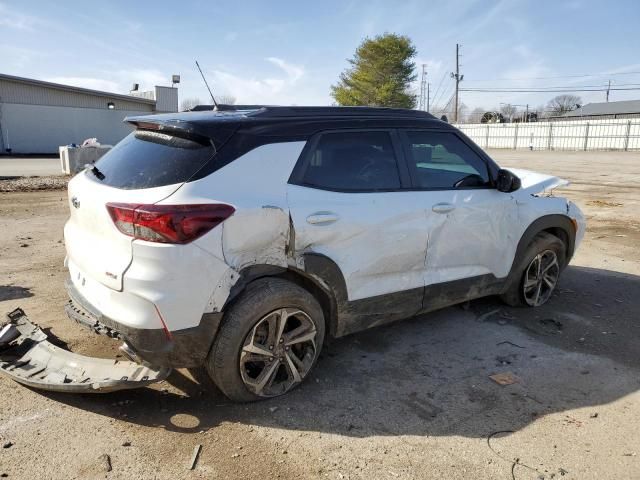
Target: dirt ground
(409,400)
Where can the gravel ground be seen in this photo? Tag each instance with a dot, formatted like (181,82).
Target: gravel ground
(30,184)
(409,400)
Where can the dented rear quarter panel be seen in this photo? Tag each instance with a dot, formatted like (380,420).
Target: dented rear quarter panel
(255,184)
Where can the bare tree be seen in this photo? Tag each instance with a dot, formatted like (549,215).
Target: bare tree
(226,99)
(508,111)
(541,112)
(462,111)
(189,103)
(563,103)
(476,115)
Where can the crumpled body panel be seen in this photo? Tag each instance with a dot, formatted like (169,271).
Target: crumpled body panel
(29,358)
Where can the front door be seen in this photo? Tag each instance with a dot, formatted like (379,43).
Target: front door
(348,204)
(470,224)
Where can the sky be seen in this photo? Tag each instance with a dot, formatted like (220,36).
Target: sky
(291,52)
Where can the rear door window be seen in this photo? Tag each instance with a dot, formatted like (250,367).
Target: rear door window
(441,160)
(353,161)
(147,159)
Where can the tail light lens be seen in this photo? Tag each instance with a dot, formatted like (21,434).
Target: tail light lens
(167,223)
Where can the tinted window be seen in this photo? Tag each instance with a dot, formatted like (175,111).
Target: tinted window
(441,160)
(147,159)
(353,161)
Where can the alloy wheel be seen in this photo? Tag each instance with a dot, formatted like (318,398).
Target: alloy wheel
(278,352)
(540,278)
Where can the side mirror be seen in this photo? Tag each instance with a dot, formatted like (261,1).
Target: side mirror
(507,181)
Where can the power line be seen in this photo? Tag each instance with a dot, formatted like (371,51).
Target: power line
(443,94)
(562,86)
(435,95)
(565,90)
(559,76)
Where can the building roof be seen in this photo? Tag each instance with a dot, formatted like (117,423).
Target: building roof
(69,88)
(606,108)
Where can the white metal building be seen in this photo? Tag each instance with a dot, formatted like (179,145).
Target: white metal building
(37,117)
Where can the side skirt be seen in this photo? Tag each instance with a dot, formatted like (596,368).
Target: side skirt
(372,312)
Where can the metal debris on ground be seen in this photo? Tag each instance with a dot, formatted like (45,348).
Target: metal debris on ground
(507,342)
(484,316)
(194,457)
(8,445)
(505,378)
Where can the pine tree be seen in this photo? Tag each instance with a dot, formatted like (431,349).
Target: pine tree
(381,74)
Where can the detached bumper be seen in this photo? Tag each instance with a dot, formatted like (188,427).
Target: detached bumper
(29,358)
(177,349)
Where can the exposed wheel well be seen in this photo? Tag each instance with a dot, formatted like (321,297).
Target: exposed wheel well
(563,235)
(326,300)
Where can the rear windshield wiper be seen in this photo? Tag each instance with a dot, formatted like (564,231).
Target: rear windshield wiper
(99,175)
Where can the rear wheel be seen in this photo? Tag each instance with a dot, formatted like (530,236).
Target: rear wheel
(269,342)
(543,261)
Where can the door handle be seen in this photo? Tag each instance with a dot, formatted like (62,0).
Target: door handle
(443,207)
(322,218)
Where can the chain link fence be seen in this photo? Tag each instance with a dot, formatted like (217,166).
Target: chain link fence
(618,134)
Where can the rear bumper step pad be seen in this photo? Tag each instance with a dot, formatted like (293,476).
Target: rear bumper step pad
(29,358)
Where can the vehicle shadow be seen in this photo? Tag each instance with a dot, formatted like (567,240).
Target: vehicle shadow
(430,375)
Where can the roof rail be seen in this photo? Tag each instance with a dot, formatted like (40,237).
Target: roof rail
(275,111)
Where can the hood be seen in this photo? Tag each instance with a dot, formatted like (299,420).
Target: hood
(534,182)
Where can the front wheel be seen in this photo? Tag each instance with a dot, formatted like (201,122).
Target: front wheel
(543,261)
(269,341)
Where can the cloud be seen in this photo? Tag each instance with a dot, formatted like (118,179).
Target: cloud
(269,89)
(294,72)
(230,36)
(117,82)
(86,82)
(11,19)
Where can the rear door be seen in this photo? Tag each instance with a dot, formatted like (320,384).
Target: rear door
(144,168)
(470,223)
(347,203)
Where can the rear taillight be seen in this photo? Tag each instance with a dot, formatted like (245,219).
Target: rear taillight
(167,223)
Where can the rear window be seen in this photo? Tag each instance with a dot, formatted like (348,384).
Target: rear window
(146,159)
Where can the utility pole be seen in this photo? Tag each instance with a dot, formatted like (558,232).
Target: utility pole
(608,88)
(423,81)
(458,78)
(428,97)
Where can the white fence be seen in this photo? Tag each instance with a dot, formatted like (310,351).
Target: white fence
(618,134)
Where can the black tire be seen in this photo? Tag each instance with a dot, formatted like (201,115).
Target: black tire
(542,242)
(260,299)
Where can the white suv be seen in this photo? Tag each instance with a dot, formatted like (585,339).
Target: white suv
(241,239)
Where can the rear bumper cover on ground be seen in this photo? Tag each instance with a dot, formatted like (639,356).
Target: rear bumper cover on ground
(183,348)
(29,358)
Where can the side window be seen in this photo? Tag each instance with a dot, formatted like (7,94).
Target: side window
(440,160)
(353,161)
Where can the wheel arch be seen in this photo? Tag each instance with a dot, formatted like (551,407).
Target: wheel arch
(309,279)
(559,225)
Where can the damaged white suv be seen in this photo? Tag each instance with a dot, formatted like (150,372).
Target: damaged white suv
(241,239)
